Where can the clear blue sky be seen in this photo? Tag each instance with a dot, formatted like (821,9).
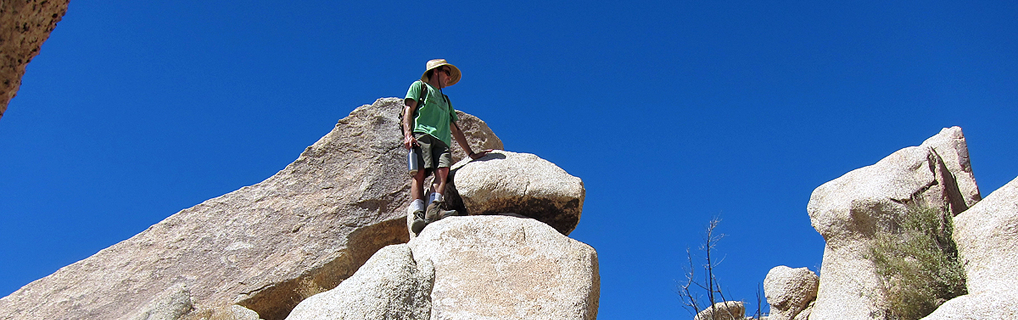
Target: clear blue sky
(135,110)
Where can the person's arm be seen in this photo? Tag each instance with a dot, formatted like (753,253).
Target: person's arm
(462,140)
(408,123)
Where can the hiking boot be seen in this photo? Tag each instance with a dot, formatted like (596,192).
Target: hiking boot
(436,213)
(419,222)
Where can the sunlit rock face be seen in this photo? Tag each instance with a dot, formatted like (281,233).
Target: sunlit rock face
(987,239)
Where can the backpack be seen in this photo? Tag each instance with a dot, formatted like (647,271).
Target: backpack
(420,102)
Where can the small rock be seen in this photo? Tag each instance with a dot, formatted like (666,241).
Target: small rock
(789,291)
(726,310)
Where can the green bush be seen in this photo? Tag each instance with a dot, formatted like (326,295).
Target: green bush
(918,263)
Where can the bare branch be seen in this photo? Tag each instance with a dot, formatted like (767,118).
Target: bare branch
(710,285)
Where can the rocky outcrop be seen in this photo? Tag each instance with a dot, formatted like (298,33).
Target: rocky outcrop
(520,183)
(851,209)
(987,239)
(391,285)
(725,310)
(24,26)
(263,248)
(790,291)
(484,267)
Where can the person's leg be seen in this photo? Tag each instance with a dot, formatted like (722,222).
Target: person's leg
(437,197)
(418,207)
(426,165)
(438,185)
(441,160)
(417,183)
(417,186)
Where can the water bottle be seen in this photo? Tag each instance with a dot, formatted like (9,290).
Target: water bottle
(411,159)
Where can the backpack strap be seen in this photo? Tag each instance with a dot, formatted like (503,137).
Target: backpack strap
(420,102)
(449,103)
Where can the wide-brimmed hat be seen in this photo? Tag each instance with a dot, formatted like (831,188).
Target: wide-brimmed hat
(454,72)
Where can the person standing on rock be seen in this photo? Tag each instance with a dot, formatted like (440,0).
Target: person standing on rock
(428,129)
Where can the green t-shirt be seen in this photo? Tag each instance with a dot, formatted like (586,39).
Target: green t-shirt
(435,116)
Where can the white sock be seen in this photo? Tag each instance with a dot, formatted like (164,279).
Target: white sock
(416,205)
(435,196)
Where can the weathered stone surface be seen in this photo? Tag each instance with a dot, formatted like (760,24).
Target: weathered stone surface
(172,303)
(24,26)
(478,135)
(987,239)
(520,183)
(851,209)
(950,145)
(475,267)
(725,310)
(233,312)
(789,291)
(265,247)
(505,267)
(804,315)
(391,285)
(985,305)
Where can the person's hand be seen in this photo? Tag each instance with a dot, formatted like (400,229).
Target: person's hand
(409,141)
(478,155)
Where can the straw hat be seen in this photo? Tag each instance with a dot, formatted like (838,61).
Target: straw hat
(454,72)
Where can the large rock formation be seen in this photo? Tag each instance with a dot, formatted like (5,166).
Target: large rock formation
(24,26)
(790,292)
(263,248)
(850,210)
(987,239)
(476,267)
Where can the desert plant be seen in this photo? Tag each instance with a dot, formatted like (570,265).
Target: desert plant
(918,263)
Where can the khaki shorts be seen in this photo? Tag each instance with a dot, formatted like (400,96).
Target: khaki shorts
(434,153)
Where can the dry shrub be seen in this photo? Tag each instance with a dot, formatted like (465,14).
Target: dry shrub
(918,263)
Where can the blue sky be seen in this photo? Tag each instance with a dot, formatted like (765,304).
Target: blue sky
(671,112)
